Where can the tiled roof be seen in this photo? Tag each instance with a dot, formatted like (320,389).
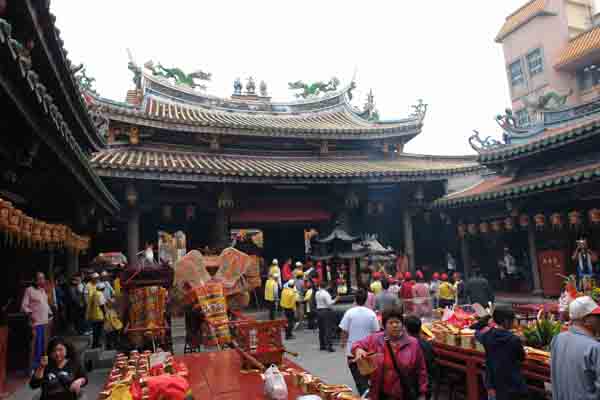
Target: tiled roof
(198,165)
(180,116)
(550,138)
(580,46)
(524,14)
(501,188)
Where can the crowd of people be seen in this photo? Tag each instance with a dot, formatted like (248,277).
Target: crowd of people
(87,305)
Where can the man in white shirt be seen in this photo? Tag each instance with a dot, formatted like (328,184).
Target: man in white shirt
(324,316)
(358,323)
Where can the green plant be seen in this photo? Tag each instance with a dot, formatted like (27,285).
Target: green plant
(540,333)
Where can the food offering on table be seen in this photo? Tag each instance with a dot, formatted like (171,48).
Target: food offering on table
(147,376)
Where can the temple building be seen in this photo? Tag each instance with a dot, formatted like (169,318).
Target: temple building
(180,159)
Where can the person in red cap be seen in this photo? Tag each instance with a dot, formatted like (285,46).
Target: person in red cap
(421,300)
(394,287)
(406,292)
(446,292)
(434,289)
(376,286)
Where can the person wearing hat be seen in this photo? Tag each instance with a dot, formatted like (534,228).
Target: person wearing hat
(575,361)
(299,286)
(286,270)
(406,292)
(421,301)
(275,271)
(446,292)
(109,292)
(288,304)
(394,287)
(376,285)
(504,354)
(272,294)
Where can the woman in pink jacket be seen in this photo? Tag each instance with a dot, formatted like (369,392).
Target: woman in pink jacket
(400,363)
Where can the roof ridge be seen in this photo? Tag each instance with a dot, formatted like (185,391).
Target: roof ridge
(523,7)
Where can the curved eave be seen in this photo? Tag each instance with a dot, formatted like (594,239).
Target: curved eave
(521,190)
(62,141)
(59,64)
(408,128)
(549,142)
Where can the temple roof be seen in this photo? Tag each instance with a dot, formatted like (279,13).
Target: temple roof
(500,188)
(580,46)
(520,17)
(177,108)
(555,129)
(156,163)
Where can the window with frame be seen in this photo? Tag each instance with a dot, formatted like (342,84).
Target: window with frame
(516,73)
(522,117)
(535,62)
(588,77)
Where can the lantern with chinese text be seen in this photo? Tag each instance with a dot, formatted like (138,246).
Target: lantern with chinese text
(47,235)
(484,227)
(497,226)
(462,230)
(556,220)
(594,216)
(5,208)
(524,220)
(14,225)
(574,219)
(36,233)
(540,221)
(508,224)
(26,229)
(472,229)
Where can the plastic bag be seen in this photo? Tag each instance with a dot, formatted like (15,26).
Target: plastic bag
(275,386)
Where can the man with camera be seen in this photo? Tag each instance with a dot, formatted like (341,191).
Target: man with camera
(585,259)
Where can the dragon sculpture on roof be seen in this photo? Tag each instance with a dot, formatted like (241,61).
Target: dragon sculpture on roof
(550,101)
(478,144)
(314,89)
(180,77)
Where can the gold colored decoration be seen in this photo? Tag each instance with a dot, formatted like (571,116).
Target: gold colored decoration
(540,221)
(5,209)
(14,225)
(36,233)
(508,224)
(556,220)
(134,135)
(524,220)
(484,227)
(26,229)
(497,226)
(574,218)
(594,216)
(472,229)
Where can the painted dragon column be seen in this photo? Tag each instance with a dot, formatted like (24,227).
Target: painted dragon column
(133,224)
(409,242)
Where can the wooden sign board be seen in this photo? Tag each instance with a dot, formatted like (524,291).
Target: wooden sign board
(551,263)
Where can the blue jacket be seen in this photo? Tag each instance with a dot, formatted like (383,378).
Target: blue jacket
(504,354)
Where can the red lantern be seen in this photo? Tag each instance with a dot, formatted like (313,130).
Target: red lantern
(574,218)
(524,220)
(508,224)
(556,220)
(484,227)
(540,221)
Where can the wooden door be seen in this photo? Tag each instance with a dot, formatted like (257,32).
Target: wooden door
(551,263)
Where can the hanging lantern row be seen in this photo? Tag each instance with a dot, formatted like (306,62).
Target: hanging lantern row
(573,219)
(21,230)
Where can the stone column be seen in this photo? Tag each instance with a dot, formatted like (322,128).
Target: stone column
(533,261)
(133,235)
(409,242)
(466,256)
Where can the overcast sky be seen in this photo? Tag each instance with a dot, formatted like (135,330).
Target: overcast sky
(441,51)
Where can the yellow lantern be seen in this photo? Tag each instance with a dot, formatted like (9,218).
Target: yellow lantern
(497,226)
(574,218)
(484,227)
(14,224)
(594,216)
(26,229)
